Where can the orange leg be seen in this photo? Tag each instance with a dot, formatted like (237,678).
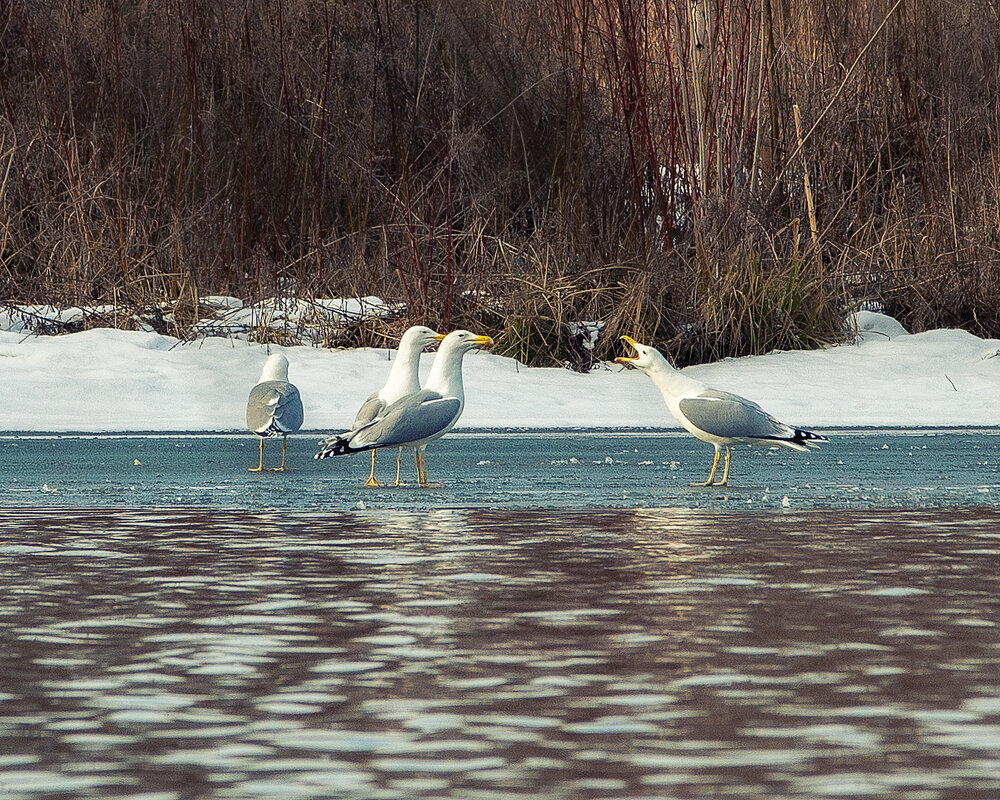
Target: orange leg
(715,466)
(260,465)
(422,471)
(725,471)
(371,475)
(399,460)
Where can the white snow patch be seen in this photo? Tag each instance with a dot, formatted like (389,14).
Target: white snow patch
(587,331)
(867,325)
(104,380)
(304,321)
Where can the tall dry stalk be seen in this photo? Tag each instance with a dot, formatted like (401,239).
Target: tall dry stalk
(511,166)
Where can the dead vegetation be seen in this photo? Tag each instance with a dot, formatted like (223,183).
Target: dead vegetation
(720,178)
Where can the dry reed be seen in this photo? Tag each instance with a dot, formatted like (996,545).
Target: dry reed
(511,166)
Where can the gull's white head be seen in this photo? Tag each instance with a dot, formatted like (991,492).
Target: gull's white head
(275,369)
(462,342)
(646,358)
(418,338)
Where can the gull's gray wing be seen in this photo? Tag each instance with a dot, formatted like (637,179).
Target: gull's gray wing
(731,416)
(369,411)
(274,405)
(409,419)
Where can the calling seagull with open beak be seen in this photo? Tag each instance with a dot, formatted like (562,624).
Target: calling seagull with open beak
(720,418)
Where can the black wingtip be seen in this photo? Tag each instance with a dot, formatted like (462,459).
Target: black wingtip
(338,448)
(803,437)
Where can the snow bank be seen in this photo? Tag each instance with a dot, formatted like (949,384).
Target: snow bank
(107,380)
(303,321)
(868,325)
(298,321)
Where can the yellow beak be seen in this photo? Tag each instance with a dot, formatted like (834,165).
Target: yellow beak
(482,341)
(439,337)
(625,359)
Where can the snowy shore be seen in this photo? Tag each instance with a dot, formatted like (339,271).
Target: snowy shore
(106,380)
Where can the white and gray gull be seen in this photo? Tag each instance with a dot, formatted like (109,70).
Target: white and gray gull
(404,379)
(417,419)
(274,407)
(719,418)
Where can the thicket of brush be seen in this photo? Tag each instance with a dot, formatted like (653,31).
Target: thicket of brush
(720,177)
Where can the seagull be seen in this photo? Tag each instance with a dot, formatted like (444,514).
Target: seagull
(274,407)
(404,379)
(719,418)
(417,419)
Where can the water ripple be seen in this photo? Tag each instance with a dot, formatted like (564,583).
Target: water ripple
(478,654)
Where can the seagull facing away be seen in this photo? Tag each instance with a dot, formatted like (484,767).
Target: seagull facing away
(404,379)
(417,419)
(719,418)
(274,407)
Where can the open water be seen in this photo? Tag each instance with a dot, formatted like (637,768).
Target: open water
(550,624)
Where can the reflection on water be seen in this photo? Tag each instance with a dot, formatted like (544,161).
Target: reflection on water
(478,654)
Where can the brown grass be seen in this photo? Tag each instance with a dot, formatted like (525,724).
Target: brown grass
(511,166)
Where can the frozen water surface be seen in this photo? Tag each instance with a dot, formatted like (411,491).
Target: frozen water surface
(530,469)
(565,619)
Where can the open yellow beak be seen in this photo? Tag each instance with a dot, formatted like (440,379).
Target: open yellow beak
(482,341)
(626,359)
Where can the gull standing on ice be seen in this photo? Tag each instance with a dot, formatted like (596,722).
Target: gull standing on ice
(404,379)
(719,418)
(419,418)
(274,407)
